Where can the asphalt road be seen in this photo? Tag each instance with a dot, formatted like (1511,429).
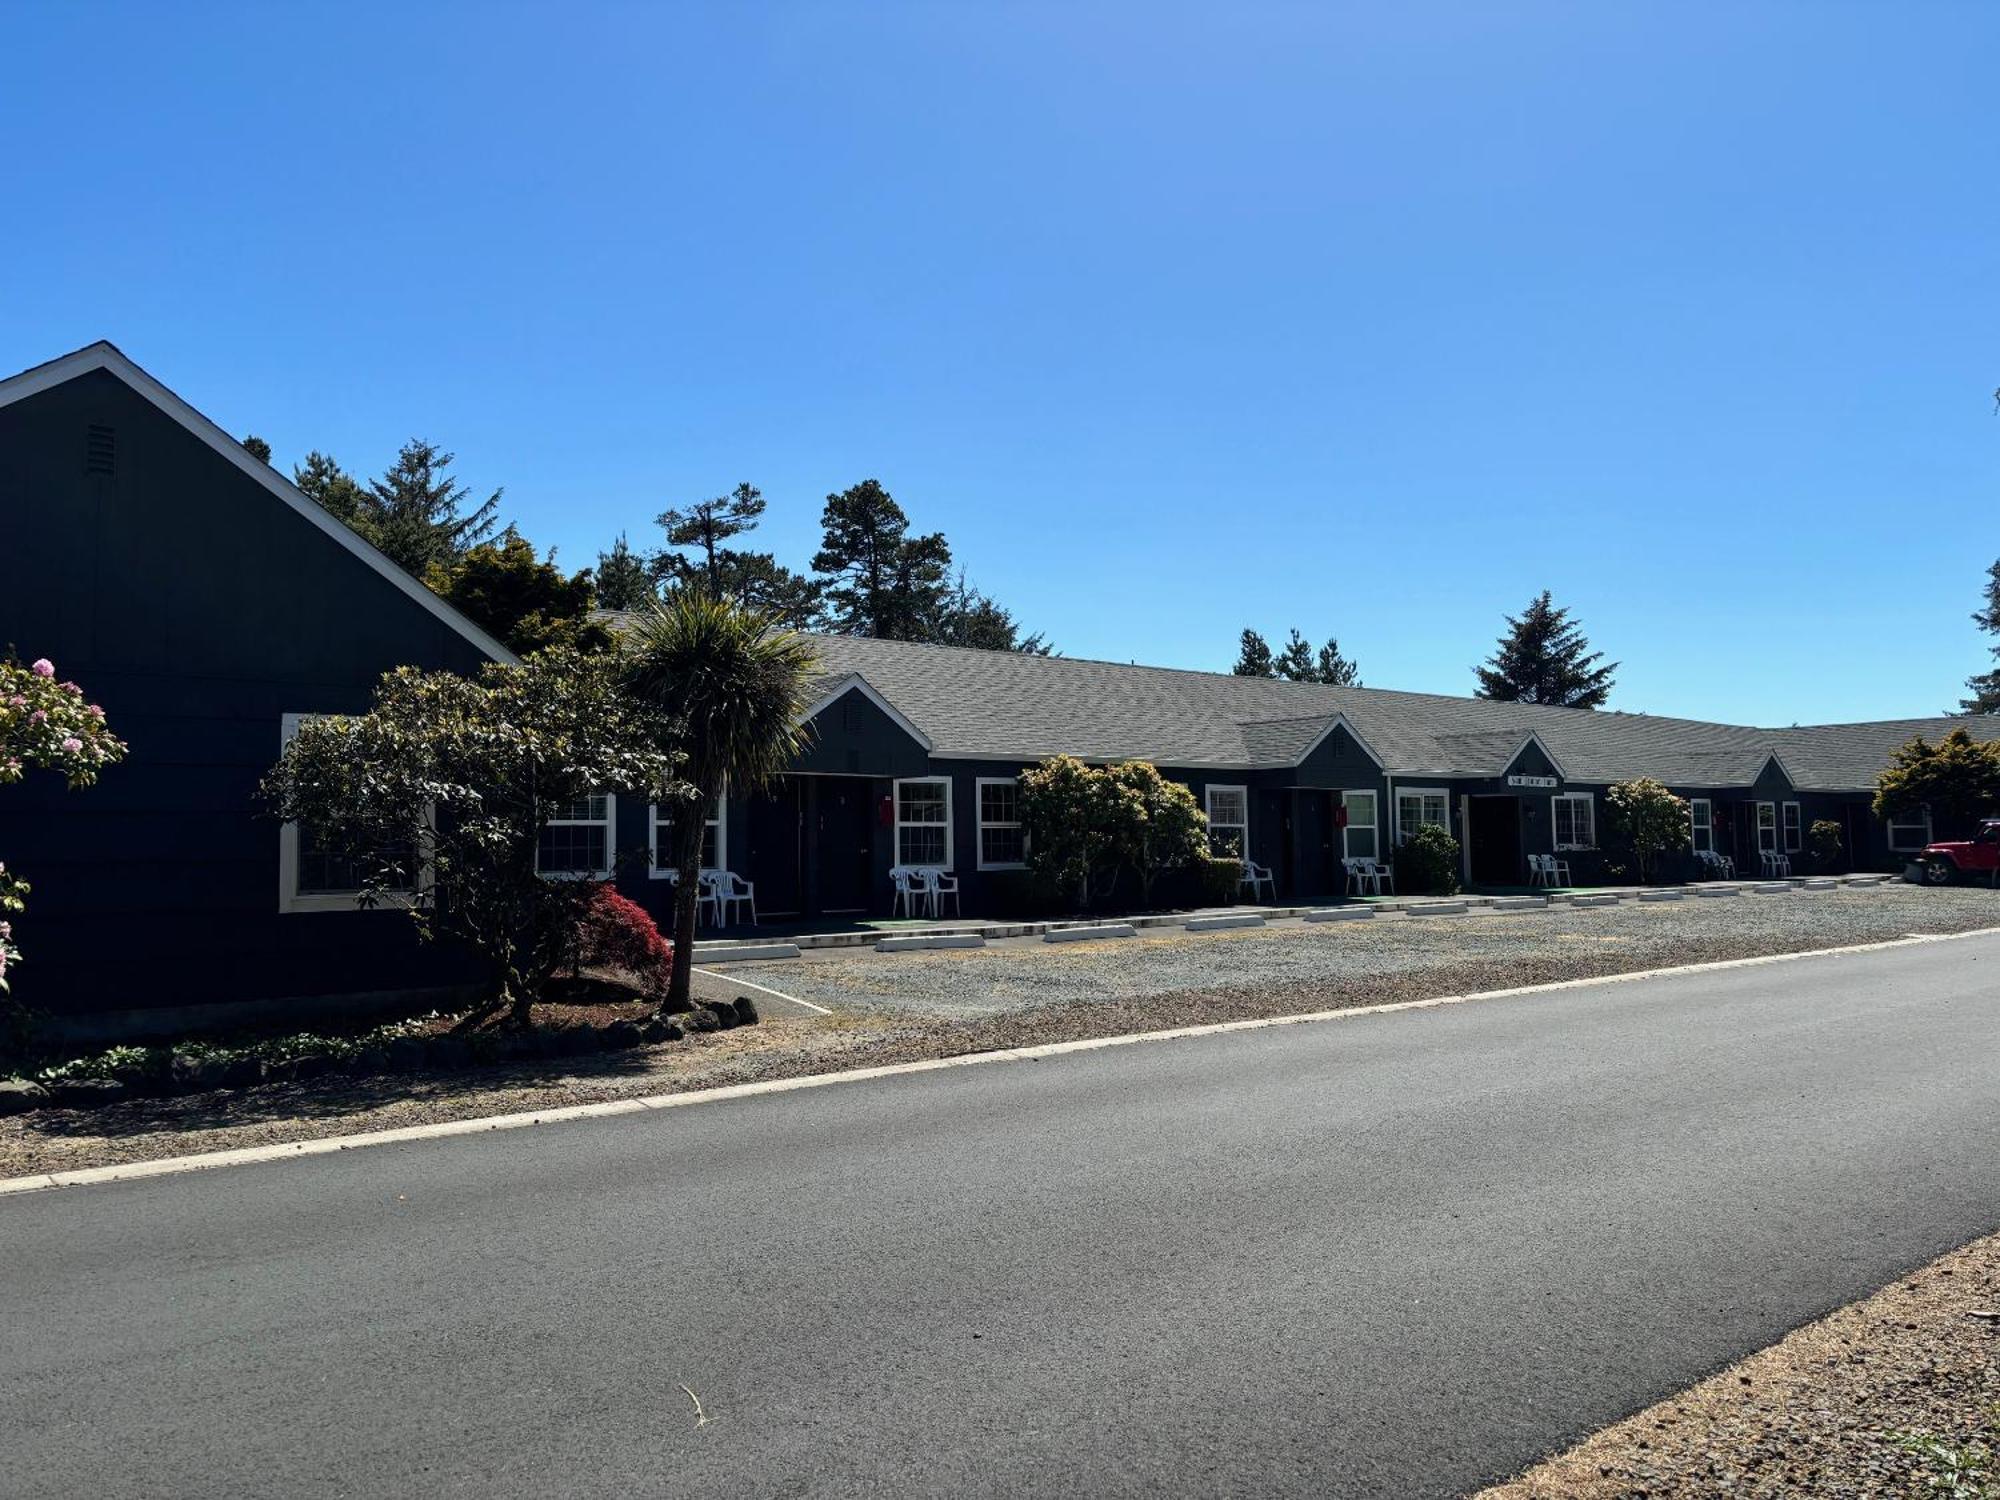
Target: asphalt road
(1387,1255)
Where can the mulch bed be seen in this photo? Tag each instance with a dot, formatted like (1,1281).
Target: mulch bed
(1882,1398)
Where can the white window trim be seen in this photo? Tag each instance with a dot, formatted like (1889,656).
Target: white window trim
(896,799)
(1208,811)
(1374,825)
(979,785)
(1792,823)
(657,871)
(1419,793)
(1590,802)
(289,898)
(1703,824)
(1907,821)
(1757,829)
(610,825)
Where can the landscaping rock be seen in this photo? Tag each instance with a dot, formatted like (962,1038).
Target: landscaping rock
(86,1093)
(406,1054)
(310,1065)
(448,1052)
(746,1011)
(725,1013)
(192,1072)
(19,1095)
(242,1072)
(660,1029)
(701,1019)
(620,1036)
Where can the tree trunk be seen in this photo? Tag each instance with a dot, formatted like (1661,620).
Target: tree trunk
(688,830)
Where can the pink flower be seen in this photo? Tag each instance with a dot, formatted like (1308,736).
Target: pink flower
(39,716)
(95,711)
(71,744)
(43,667)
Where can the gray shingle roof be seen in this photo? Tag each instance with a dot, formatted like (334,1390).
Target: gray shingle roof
(1002,705)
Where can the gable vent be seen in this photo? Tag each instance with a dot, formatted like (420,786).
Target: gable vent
(100,449)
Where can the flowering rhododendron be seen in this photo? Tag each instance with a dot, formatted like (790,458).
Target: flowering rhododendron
(47,725)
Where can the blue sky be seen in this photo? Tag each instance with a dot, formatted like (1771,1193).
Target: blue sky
(1371,319)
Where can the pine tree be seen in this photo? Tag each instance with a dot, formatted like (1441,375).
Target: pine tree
(704,527)
(1545,658)
(882,581)
(415,512)
(1295,662)
(257,448)
(1254,659)
(757,580)
(970,618)
(1336,669)
(336,490)
(522,598)
(623,580)
(1985,686)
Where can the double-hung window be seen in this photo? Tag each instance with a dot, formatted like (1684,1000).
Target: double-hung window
(713,844)
(1417,807)
(312,877)
(1794,829)
(1909,831)
(1228,809)
(1003,843)
(923,823)
(576,841)
(1573,815)
(1701,825)
(1767,827)
(1360,839)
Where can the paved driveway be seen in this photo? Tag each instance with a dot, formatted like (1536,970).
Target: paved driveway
(1392,1255)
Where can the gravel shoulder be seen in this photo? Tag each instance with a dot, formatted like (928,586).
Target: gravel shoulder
(911,1007)
(1886,1397)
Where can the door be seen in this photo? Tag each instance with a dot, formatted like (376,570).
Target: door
(1493,827)
(776,848)
(1308,845)
(846,837)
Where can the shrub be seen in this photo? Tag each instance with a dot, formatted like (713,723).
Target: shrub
(615,933)
(1649,820)
(1155,824)
(1427,863)
(1824,837)
(1958,779)
(1218,881)
(1086,825)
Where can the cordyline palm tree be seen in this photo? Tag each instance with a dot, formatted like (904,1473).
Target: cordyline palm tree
(736,681)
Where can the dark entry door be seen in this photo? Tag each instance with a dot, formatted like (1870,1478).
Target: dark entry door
(1496,841)
(776,848)
(846,843)
(1308,845)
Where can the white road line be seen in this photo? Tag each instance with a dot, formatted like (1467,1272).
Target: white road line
(766,990)
(127,1171)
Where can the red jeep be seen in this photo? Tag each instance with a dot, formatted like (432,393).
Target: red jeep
(1953,859)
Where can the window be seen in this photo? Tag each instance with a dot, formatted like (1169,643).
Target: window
(1573,815)
(1228,821)
(576,843)
(1910,831)
(1003,843)
(1701,819)
(1794,829)
(1418,806)
(314,878)
(713,843)
(1767,826)
(1359,840)
(923,823)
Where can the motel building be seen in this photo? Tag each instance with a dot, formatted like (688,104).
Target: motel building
(210,606)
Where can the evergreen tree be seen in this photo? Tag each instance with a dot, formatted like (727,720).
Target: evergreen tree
(333,488)
(623,579)
(757,580)
(416,511)
(257,448)
(882,581)
(704,527)
(1254,659)
(1295,662)
(1985,686)
(521,598)
(1545,658)
(1335,669)
(970,618)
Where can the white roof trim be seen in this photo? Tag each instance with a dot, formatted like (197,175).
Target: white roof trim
(1340,721)
(854,682)
(1536,740)
(106,356)
(1773,758)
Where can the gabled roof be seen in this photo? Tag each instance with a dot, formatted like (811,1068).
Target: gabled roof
(106,356)
(826,694)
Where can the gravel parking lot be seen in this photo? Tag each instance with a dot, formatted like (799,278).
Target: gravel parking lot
(1294,965)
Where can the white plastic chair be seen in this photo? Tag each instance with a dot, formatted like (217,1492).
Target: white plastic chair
(732,892)
(938,885)
(1364,876)
(705,899)
(1720,866)
(1552,871)
(1256,877)
(1776,863)
(912,891)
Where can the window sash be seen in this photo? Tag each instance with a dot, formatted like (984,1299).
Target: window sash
(1909,832)
(1003,845)
(311,879)
(923,823)
(1767,827)
(578,846)
(1228,809)
(1361,838)
(713,844)
(1415,809)
(1701,825)
(1579,811)
(1794,828)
